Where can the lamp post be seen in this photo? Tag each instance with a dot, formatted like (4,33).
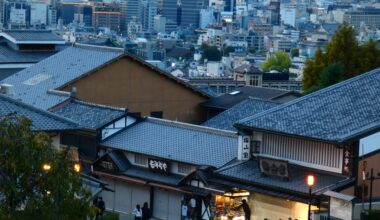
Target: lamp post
(310,183)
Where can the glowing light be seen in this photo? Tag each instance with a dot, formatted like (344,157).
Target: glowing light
(310,180)
(77,167)
(46,167)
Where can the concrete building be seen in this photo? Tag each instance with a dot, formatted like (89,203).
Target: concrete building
(38,13)
(288,15)
(371,18)
(206,18)
(149,11)
(106,15)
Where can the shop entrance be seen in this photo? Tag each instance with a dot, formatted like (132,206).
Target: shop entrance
(226,206)
(167,204)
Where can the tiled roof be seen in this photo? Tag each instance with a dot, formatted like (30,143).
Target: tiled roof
(8,55)
(88,115)
(228,100)
(177,141)
(41,120)
(248,107)
(33,35)
(338,113)
(249,172)
(31,85)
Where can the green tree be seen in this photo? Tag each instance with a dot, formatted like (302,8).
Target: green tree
(279,61)
(228,50)
(211,53)
(330,75)
(294,52)
(344,49)
(37,181)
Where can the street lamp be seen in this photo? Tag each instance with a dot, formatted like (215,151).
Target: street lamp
(77,167)
(310,183)
(46,167)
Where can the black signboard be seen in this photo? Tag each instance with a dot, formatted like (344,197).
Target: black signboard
(273,167)
(160,166)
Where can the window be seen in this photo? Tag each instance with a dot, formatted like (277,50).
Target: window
(141,160)
(184,168)
(255,147)
(157,114)
(254,80)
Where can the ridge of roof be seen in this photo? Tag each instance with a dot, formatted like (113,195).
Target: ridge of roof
(92,104)
(40,111)
(97,47)
(317,93)
(191,126)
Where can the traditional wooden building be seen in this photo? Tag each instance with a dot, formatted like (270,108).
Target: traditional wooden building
(107,76)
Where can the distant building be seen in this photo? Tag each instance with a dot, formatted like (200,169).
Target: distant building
(106,15)
(130,9)
(149,11)
(184,12)
(206,18)
(83,14)
(288,15)
(38,13)
(371,18)
(16,14)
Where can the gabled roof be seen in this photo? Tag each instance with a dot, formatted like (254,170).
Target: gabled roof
(88,115)
(248,69)
(31,36)
(32,85)
(41,120)
(176,141)
(339,113)
(248,107)
(249,172)
(228,100)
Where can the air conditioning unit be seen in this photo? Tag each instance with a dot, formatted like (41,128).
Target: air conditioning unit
(5,88)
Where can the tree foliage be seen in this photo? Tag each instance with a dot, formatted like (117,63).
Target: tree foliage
(279,61)
(211,53)
(26,190)
(345,50)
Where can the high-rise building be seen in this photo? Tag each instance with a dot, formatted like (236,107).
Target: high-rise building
(38,13)
(183,12)
(370,17)
(149,10)
(106,16)
(83,14)
(129,9)
(274,7)
(16,14)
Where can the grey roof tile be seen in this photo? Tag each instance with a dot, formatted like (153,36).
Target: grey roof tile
(338,113)
(9,55)
(41,120)
(33,35)
(177,141)
(249,172)
(248,107)
(31,85)
(88,115)
(230,99)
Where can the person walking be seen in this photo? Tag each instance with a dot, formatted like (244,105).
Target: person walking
(246,209)
(137,212)
(101,206)
(145,212)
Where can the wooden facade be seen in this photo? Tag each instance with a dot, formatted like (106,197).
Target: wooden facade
(141,88)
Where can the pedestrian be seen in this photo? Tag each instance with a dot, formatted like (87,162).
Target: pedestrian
(95,202)
(137,212)
(145,211)
(246,209)
(184,210)
(101,206)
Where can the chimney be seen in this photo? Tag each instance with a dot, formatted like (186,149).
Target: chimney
(6,89)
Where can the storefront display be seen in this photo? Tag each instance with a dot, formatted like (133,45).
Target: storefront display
(226,206)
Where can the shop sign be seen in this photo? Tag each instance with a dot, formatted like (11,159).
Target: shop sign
(107,165)
(346,161)
(244,148)
(272,167)
(158,165)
